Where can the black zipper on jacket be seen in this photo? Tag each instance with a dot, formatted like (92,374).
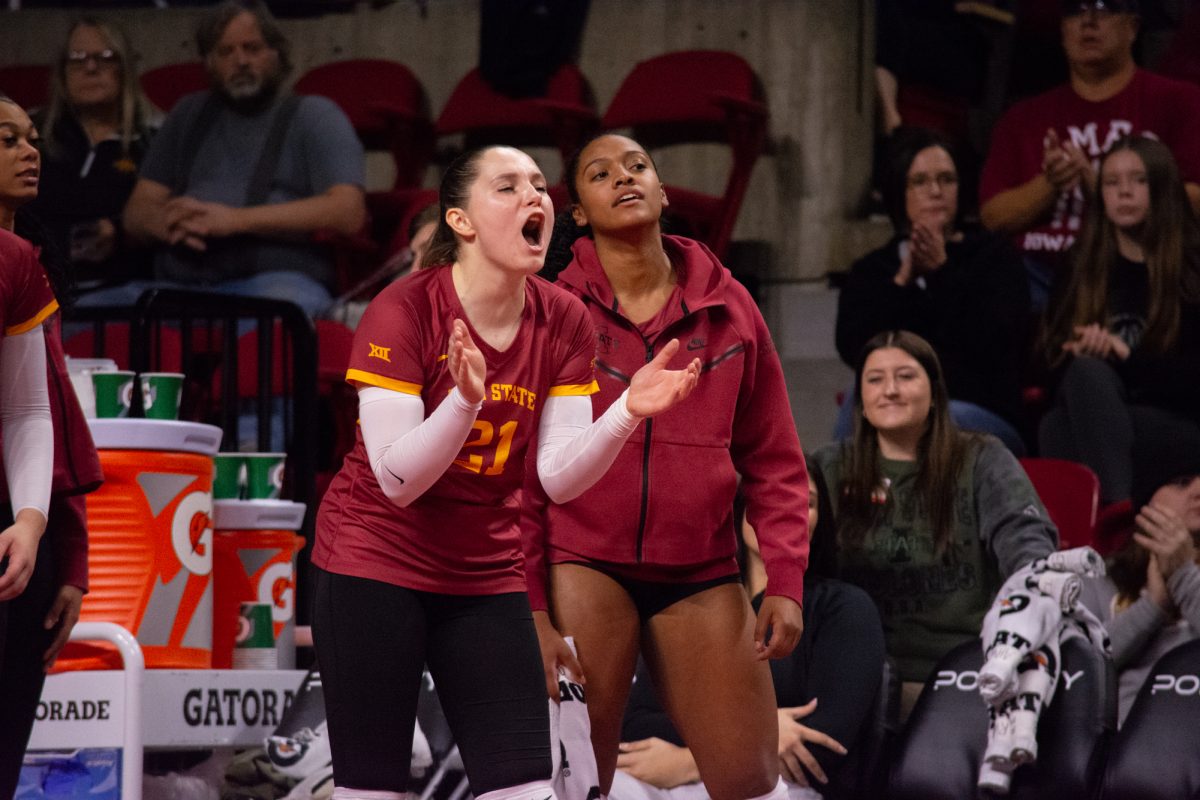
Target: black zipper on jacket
(645,466)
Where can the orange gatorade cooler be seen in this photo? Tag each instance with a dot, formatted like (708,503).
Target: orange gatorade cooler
(254,560)
(150,550)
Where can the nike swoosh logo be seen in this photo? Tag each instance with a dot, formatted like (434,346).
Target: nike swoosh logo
(394,475)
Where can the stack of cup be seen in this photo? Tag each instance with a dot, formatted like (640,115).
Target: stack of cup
(254,645)
(80,371)
(112,393)
(248,476)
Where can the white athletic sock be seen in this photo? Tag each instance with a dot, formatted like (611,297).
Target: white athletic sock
(780,792)
(342,793)
(535,790)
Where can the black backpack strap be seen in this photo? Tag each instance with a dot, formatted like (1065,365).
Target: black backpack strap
(193,138)
(268,160)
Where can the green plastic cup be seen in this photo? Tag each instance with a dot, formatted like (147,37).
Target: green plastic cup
(264,475)
(229,476)
(254,644)
(161,393)
(114,392)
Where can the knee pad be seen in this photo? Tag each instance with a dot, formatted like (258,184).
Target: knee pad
(535,790)
(342,793)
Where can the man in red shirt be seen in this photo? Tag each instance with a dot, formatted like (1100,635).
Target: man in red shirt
(1040,171)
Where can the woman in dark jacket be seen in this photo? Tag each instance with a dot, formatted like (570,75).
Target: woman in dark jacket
(957,286)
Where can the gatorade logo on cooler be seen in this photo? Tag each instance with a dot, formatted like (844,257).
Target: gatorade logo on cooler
(192,533)
(276,587)
(277,476)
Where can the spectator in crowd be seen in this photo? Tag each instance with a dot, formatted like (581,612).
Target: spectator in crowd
(1150,601)
(959,287)
(95,132)
(1040,172)
(663,579)
(1123,331)
(931,520)
(43,541)
(240,177)
(830,681)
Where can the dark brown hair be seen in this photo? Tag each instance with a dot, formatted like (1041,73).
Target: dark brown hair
(212,28)
(1170,239)
(454,191)
(903,148)
(941,454)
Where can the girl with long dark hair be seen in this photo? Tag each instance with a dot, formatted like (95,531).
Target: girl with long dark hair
(1123,331)
(931,519)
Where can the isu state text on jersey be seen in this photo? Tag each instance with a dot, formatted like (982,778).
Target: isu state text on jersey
(462,536)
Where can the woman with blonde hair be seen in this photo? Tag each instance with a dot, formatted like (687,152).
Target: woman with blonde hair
(95,133)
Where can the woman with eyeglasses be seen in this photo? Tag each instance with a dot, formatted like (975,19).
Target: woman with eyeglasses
(959,287)
(95,133)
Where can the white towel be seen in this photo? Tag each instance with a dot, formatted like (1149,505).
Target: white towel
(1079,560)
(1019,622)
(1063,587)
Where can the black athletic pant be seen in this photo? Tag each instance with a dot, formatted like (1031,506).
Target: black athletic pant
(1093,422)
(23,640)
(373,640)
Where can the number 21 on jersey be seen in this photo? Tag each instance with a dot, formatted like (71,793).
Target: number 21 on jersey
(485,433)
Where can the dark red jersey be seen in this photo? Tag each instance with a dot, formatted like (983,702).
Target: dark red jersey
(26,300)
(462,536)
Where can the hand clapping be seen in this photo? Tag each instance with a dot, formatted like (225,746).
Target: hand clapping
(654,388)
(466,364)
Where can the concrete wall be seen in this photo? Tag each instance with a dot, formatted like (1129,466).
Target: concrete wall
(813,56)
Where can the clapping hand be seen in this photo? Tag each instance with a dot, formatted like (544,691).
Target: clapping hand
(654,388)
(466,363)
(1164,534)
(928,247)
(1064,165)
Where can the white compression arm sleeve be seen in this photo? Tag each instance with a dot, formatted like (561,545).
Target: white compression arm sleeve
(573,451)
(408,452)
(25,416)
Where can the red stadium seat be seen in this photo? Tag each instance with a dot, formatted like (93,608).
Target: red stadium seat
(27,84)
(1071,494)
(484,116)
(114,343)
(166,85)
(386,105)
(697,96)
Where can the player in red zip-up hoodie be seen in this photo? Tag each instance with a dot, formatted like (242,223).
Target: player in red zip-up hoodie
(645,559)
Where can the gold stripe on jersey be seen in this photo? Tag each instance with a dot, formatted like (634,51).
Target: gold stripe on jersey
(371,379)
(574,389)
(34,321)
